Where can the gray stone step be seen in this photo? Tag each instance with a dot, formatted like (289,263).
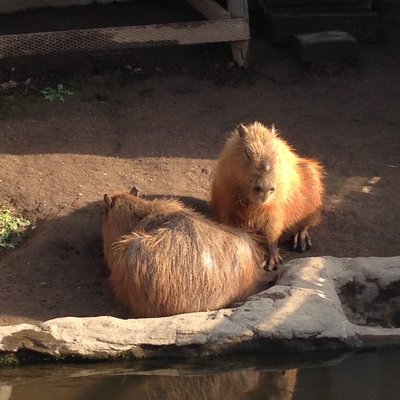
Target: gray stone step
(318,3)
(326,46)
(282,24)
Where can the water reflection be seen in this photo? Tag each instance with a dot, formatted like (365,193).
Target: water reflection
(362,376)
(244,384)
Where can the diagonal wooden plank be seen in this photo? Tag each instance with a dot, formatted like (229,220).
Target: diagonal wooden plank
(210,9)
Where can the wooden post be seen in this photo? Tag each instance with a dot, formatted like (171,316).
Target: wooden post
(240,49)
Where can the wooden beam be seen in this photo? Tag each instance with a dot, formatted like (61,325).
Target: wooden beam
(238,8)
(240,49)
(210,9)
(223,30)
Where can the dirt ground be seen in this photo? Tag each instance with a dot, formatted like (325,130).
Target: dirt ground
(159,117)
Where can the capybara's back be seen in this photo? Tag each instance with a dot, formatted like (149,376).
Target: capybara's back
(166,259)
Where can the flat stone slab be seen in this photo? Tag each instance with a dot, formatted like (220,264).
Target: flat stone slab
(326,46)
(318,303)
(318,3)
(282,24)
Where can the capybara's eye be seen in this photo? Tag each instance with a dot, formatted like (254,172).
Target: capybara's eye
(272,190)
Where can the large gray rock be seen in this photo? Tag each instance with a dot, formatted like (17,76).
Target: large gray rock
(317,303)
(325,46)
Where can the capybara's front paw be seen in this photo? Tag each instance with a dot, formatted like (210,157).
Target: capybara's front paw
(272,260)
(301,241)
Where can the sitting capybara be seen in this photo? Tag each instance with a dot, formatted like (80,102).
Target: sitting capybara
(167,259)
(262,185)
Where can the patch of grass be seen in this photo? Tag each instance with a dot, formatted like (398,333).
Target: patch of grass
(10,225)
(8,360)
(56,94)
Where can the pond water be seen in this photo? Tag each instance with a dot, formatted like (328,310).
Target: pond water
(369,375)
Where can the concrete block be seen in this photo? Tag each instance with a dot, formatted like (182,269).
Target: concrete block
(327,46)
(281,25)
(318,3)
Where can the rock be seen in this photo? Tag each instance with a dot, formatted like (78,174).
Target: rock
(326,46)
(317,304)
(5,392)
(319,3)
(281,24)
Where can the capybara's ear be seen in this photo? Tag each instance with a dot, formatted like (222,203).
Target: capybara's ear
(107,200)
(242,130)
(135,191)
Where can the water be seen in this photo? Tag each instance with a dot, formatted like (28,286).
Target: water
(369,375)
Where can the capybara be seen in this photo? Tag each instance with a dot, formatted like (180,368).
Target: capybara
(167,259)
(262,185)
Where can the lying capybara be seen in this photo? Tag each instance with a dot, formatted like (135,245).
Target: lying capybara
(262,185)
(167,259)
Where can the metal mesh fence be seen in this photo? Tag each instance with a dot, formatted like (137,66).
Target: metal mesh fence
(224,30)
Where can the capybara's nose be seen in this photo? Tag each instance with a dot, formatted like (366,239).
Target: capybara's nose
(258,188)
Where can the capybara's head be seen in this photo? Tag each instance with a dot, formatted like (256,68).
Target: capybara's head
(121,210)
(259,169)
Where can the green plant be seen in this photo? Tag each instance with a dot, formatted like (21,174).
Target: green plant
(52,94)
(10,225)
(8,360)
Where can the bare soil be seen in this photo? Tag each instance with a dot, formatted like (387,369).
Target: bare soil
(158,118)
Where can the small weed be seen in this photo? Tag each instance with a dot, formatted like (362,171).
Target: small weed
(57,94)
(8,360)
(10,225)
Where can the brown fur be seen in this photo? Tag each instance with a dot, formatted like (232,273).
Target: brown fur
(233,385)
(262,185)
(167,259)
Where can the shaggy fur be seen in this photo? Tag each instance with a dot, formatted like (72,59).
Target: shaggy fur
(262,185)
(167,259)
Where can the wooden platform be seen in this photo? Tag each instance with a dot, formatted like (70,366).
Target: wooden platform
(222,25)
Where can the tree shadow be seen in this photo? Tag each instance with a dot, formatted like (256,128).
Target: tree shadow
(58,268)
(58,271)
